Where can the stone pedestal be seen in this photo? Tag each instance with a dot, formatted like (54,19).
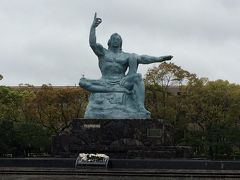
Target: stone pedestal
(123,138)
(114,106)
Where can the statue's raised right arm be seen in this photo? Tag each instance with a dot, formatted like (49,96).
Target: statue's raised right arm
(97,48)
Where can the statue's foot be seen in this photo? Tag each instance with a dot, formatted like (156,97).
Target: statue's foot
(123,90)
(143,110)
(83,82)
(127,91)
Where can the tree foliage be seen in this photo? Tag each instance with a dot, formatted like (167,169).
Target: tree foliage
(205,114)
(30,116)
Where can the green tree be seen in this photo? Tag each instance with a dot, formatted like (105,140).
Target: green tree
(10,101)
(213,106)
(32,138)
(8,137)
(159,82)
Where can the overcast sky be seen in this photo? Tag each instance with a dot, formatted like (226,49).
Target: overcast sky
(46,41)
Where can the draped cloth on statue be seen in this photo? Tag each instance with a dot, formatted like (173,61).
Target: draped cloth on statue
(113,105)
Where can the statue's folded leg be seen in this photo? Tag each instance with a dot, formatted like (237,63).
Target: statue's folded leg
(99,86)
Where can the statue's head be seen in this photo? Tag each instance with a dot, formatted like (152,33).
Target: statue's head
(115,41)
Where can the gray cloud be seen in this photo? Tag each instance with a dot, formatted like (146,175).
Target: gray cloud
(46,41)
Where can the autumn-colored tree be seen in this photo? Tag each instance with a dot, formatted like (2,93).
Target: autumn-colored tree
(56,107)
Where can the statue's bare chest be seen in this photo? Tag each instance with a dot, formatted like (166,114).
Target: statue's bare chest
(116,58)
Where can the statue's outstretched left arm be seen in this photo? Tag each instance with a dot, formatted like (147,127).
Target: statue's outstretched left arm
(145,59)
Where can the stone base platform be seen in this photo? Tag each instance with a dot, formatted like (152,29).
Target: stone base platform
(166,169)
(41,164)
(119,138)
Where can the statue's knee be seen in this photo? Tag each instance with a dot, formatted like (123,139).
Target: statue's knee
(128,85)
(138,77)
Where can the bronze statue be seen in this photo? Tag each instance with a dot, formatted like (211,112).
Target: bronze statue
(116,95)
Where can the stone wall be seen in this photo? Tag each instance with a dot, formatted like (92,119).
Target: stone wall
(129,138)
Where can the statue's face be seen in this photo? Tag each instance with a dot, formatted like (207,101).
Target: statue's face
(115,41)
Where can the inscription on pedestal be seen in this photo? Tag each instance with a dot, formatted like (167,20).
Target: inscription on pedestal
(91,126)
